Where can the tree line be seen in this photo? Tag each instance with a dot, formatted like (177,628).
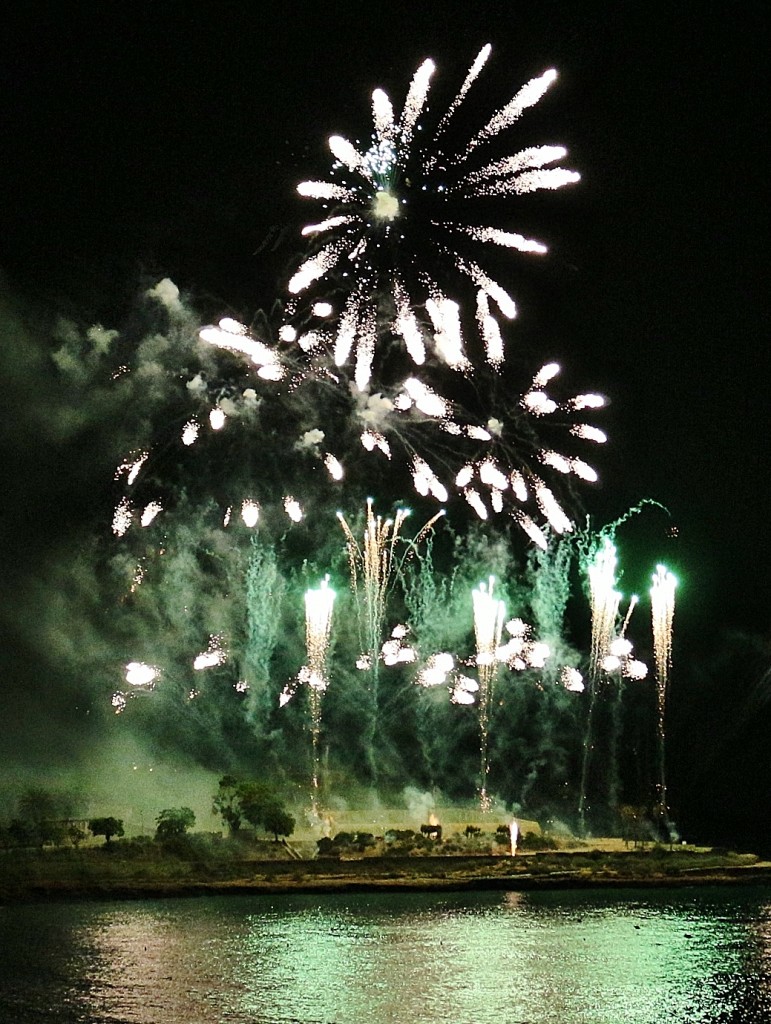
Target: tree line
(44,818)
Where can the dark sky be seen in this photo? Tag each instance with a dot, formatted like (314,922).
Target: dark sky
(166,138)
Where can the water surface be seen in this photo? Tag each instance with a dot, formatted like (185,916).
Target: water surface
(592,957)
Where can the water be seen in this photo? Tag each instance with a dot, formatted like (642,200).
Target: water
(593,957)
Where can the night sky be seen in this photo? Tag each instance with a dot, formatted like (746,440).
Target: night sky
(162,139)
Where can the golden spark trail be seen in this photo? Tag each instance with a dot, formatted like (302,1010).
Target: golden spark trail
(318,624)
(604,600)
(662,615)
(489,614)
(374,564)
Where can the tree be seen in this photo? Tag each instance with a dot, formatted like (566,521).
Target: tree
(253,803)
(226,803)
(107,827)
(276,819)
(40,815)
(75,834)
(254,799)
(174,821)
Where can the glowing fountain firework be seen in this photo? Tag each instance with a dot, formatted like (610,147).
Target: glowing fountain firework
(489,614)
(373,565)
(513,836)
(619,664)
(604,600)
(318,624)
(662,615)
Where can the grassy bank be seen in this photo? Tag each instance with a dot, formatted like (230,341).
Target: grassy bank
(149,870)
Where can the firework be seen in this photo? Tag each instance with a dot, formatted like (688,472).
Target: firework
(374,564)
(662,615)
(495,463)
(604,600)
(318,624)
(489,614)
(400,365)
(401,201)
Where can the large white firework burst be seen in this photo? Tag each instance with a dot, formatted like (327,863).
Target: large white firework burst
(388,373)
(400,207)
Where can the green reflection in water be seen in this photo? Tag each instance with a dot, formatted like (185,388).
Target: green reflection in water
(511,958)
(638,957)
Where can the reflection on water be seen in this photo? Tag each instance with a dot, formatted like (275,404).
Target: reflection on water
(642,957)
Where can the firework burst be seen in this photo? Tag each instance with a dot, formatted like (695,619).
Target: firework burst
(416,199)
(497,459)
(384,355)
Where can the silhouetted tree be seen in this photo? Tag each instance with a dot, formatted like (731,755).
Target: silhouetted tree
(174,821)
(107,827)
(276,819)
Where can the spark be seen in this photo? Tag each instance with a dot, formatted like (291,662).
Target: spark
(190,432)
(371,439)
(395,651)
(121,518)
(131,467)
(465,692)
(426,481)
(150,511)
(662,615)
(319,604)
(619,660)
(425,399)
(214,655)
(334,467)
(138,577)
(520,651)
(572,679)
(138,673)
(234,336)
(293,509)
(436,670)
(488,625)
(250,512)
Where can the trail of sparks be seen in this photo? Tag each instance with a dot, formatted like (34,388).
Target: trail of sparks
(489,614)
(319,604)
(662,614)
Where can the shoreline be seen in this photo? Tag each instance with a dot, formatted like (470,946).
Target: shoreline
(397,875)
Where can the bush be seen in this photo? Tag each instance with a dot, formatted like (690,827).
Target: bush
(533,842)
